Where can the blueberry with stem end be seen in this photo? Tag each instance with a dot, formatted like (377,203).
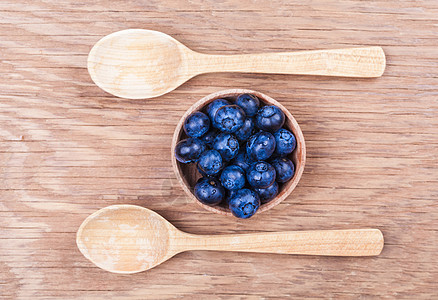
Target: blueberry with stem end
(233,178)
(229,118)
(260,174)
(227,145)
(244,203)
(209,191)
(285,142)
(210,163)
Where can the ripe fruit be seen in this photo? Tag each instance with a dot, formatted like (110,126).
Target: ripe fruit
(189,150)
(270,118)
(244,132)
(249,103)
(196,124)
(267,194)
(244,203)
(242,160)
(260,174)
(214,106)
(210,163)
(231,143)
(260,146)
(233,178)
(229,118)
(284,169)
(227,145)
(209,191)
(285,142)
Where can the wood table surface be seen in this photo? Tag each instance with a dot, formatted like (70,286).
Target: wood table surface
(68,148)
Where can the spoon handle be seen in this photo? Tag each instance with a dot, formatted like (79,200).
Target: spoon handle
(350,62)
(355,242)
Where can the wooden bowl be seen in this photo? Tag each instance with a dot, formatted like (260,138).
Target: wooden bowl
(187,174)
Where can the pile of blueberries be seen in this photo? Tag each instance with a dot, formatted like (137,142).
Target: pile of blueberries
(240,149)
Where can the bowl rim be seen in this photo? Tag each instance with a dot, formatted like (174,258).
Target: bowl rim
(197,106)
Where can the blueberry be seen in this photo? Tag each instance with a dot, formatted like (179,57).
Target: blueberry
(196,124)
(227,145)
(242,160)
(229,118)
(189,150)
(209,191)
(244,132)
(284,169)
(233,178)
(209,137)
(260,146)
(214,106)
(270,118)
(244,203)
(249,103)
(260,174)
(269,193)
(210,163)
(229,194)
(285,142)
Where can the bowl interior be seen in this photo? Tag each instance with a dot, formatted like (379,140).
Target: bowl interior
(188,175)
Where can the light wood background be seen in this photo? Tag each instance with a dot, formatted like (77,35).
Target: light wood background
(67,148)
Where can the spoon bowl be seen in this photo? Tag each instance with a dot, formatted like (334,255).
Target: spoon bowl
(125,238)
(138,63)
(129,239)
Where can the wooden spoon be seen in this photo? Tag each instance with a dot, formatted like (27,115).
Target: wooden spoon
(137,63)
(130,239)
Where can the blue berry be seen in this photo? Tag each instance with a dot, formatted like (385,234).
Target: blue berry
(285,142)
(270,118)
(249,103)
(227,145)
(244,132)
(244,203)
(209,137)
(284,169)
(189,150)
(233,178)
(196,124)
(209,191)
(260,174)
(260,146)
(229,118)
(214,106)
(229,194)
(269,193)
(210,163)
(242,160)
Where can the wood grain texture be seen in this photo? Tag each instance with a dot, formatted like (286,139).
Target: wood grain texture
(68,148)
